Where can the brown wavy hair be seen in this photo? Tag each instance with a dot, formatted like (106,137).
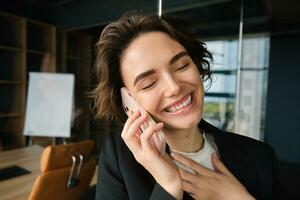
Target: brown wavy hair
(116,37)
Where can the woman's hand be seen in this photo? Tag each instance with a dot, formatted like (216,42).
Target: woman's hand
(209,184)
(161,167)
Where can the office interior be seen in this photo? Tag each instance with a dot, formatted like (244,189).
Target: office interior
(255,44)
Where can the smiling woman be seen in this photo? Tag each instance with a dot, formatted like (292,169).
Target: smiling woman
(164,67)
(116,37)
(163,70)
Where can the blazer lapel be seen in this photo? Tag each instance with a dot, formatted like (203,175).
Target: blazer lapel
(235,159)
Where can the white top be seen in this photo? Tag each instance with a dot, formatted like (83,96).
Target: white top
(203,156)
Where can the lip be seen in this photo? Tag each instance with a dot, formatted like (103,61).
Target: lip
(183,110)
(179,100)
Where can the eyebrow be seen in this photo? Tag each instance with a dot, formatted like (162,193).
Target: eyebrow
(143,75)
(152,71)
(178,56)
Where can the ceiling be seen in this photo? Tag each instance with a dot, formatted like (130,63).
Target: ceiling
(209,18)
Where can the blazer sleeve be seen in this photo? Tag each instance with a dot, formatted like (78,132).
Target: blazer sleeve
(160,193)
(110,185)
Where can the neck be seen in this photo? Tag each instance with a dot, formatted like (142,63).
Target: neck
(184,140)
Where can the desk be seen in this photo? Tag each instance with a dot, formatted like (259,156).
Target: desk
(19,188)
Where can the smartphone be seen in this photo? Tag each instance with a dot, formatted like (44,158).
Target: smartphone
(130,104)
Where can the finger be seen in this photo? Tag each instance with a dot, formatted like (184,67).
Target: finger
(188,176)
(131,118)
(189,188)
(198,168)
(145,137)
(219,166)
(130,135)
(134,127)
(132,123)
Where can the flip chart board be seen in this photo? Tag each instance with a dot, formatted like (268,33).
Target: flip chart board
(49,104)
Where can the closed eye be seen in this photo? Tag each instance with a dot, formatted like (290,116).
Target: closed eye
(149,85)
(183,67)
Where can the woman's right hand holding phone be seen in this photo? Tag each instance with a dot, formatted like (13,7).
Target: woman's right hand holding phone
(161,167)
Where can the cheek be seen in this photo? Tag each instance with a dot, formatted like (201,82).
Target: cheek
(192,75)
(193,78)
(201,91)
(150,102)
(196,75)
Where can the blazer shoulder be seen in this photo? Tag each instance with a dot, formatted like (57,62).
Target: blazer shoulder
(114,137)
(247,142)
(253,148)
(235,141)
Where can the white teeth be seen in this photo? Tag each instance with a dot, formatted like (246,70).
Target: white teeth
(181,105)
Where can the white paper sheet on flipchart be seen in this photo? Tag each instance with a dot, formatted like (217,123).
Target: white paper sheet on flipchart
(49,104)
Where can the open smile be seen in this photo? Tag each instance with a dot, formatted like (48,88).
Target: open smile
(184,105)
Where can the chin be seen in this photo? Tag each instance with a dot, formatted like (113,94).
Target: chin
(186,122)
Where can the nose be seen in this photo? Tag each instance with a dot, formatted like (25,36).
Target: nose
(172,87)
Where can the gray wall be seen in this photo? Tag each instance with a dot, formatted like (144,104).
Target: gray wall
(283,101)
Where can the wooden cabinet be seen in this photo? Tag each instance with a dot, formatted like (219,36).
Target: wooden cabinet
(12,78)
(25,45)
(41,47)
(74,56)
(31,46)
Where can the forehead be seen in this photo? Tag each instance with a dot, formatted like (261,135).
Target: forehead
(148,51)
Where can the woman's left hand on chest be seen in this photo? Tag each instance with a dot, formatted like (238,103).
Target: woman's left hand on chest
(207,184)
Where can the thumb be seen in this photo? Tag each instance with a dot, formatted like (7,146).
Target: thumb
(219,166)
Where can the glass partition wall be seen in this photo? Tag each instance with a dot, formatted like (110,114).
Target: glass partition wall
(220,108)
(236,99)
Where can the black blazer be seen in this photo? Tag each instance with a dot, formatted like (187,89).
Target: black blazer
(252,162)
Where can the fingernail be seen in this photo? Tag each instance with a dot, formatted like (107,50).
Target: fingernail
(136,113)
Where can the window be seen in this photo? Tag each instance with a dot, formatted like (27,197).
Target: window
(240,111)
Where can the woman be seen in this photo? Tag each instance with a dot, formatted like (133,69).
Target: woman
(164,68)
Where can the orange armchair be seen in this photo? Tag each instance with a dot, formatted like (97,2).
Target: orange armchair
(56,166)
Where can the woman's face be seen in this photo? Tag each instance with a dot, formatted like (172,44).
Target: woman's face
(163,78)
